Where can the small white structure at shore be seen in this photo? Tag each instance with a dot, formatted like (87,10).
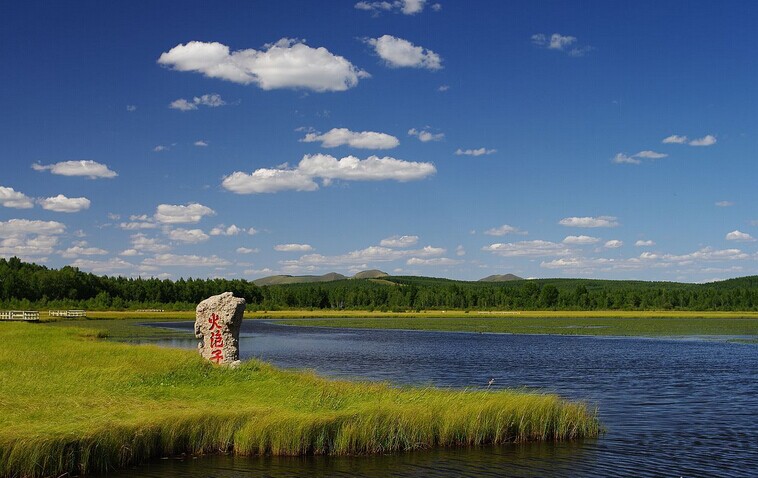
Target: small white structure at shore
(20,315)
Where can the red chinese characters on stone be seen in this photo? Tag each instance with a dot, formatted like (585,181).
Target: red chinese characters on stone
(216,339)
(213,320)
(217,355)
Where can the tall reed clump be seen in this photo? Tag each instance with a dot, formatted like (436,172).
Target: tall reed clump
(75,404)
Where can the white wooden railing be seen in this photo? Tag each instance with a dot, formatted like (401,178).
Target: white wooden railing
(28,315)
(67,313)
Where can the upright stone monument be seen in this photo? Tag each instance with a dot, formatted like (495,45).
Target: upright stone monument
(217,325)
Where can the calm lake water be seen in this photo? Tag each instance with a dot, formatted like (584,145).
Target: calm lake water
(672,407)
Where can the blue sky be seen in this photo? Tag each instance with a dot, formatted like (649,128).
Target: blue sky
(454,139)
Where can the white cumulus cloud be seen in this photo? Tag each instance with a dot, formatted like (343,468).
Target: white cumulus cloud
(600,221)
(247,250)
(739,236)
(580,240)
(327,168)
(23,227)
(26,238)
(222,230)
(343,136)
(288,63)
(82,250)
(86,168)
(142,243)
(647,154)
(724,203)
(642,243)
(372,168)
(15,199)
(187,236)
(61,203)
(190,213)
(268,181)
(707,140)
(400,53)
(613,244)
(674,139)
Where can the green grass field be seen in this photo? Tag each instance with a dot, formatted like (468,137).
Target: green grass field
(73,403)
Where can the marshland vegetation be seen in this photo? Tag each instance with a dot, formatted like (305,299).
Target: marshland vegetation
(74,403)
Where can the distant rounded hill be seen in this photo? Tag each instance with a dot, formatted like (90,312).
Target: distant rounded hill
(287,279)
(501,278)
(332,276)
(370,274)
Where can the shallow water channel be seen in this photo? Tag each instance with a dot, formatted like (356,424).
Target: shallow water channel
(671,407)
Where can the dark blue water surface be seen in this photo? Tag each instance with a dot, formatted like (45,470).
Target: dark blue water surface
(671,407)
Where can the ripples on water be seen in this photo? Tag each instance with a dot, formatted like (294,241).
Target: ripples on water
(671,407)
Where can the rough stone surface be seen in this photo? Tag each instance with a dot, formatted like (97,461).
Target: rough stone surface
(217,325)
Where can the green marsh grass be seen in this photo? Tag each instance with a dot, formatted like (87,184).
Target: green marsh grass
(640,325)
(74,403)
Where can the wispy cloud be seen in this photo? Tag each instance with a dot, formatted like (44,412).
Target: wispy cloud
(536,248)
(503,230)
(600,221)
(406,7)
(557,42)
(425,136)
(622,158)
(399,241)
(293,247)
(475,152)
(212,100)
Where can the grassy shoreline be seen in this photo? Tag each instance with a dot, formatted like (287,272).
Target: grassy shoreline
(603,323)
(619,327)
(77,404)
(329,313)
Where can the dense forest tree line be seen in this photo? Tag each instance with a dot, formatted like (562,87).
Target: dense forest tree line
(25,286)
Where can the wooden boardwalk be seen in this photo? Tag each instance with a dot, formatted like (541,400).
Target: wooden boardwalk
(67,313)
(20,315)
